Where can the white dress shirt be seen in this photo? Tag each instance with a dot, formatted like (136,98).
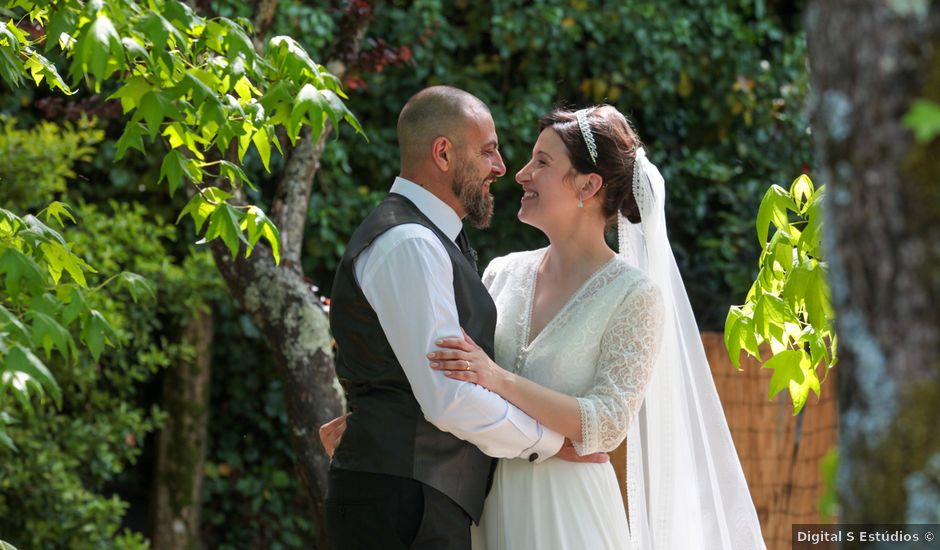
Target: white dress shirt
(407,277)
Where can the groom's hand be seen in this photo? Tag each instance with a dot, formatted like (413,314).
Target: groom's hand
(331,434)
(568,453)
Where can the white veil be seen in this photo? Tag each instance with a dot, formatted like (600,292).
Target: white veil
(685,485)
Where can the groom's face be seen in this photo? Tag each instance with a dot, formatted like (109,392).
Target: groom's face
(479,164)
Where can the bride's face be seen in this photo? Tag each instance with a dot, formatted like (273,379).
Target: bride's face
(549,193)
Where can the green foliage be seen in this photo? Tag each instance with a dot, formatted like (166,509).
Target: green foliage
(40,309)
(788,307)
(715,90)
(251,495)
(924,120)
(196,83)
(33,171)
(829,472)
(54,491)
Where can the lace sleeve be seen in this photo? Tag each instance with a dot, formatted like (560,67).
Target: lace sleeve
(629,347)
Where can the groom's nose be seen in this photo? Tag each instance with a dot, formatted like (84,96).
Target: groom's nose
(499,167)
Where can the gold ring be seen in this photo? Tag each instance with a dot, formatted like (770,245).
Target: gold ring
(468,364)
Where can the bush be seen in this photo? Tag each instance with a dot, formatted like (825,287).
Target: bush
(715,90)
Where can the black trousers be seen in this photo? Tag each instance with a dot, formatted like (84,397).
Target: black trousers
(366,511)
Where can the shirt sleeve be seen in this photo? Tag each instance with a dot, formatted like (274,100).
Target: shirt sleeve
(629,347)
(407,277)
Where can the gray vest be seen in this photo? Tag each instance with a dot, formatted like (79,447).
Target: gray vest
(387,432)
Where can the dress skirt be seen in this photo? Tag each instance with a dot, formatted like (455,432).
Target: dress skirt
(555,505)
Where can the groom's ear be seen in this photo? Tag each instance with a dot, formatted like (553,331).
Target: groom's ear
(442,153)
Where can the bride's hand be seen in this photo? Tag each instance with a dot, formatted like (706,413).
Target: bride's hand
(464,360)
(567,452)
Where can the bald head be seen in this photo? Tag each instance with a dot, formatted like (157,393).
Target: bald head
(433,112)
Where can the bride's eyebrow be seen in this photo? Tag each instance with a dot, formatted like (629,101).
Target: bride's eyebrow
(544,154)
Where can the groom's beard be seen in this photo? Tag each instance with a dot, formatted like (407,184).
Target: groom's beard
(473,197)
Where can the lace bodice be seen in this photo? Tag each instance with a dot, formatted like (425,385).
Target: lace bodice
(600,347)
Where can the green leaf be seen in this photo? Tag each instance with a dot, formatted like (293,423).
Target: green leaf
(277,100)
(770,317)
(154,107)
(131,92)
(56,210)
(137,286)
(12,323)
(203,204)
(48,333)
(41,68)
(262,140)
(786,366)
(811,237)
(234,173)
(309,107)
(792,371)
(22,360)
(96,333)
(19,269)
(236,41)
(773,208)
(60,258)
(8,443)
(61,23)
(291,59)
(175,166)
(224,222)
(336,109)
(39,232)
(794,288)
(132,138)
(354,122)
(135,50)
(182,14)
(76,306)
(98,45)
(258,225)
(801,191)
(818,302)
(733,335)
(924,120)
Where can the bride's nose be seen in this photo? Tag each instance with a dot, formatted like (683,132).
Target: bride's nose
(522,175)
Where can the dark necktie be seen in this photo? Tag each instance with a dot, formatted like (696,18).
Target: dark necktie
(464,244)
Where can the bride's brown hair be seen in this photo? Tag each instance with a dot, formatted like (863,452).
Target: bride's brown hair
(617,143)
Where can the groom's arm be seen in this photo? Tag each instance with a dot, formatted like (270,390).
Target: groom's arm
(407,277)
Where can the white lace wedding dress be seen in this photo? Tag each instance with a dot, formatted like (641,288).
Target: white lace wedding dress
(600,348)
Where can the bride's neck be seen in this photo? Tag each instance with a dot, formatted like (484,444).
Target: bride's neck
(576,256)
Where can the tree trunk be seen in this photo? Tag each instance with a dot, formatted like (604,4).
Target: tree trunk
(280,302)
(181,444)
(869,61)
(293,322)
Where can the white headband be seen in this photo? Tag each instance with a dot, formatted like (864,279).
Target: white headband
(587,134)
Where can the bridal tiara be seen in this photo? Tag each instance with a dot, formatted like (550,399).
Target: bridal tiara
(587,134)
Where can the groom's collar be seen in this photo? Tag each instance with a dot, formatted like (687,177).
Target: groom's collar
(434,208)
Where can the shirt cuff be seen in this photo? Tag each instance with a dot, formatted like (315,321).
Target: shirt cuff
(546,447)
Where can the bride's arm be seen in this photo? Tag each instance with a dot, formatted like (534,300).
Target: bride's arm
(555,410)
(597,421)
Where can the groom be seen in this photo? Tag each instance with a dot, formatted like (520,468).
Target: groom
(414,464)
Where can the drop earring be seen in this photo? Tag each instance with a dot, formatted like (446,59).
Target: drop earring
(580,202)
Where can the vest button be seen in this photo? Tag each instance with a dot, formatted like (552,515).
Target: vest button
(533,457)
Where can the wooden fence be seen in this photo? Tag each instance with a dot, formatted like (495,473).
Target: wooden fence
(780,453)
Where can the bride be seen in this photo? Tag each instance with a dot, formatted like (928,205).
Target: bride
(601,346)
